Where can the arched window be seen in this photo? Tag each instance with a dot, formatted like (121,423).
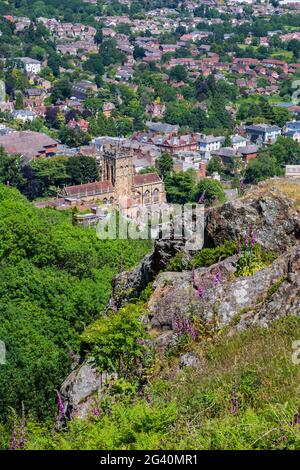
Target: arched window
(147,197)
(111,200)
(138,197)
(105,200)
(155,196)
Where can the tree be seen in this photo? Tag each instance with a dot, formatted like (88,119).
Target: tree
(165,164)
(180,187)
(261,168)
(212,191)
(178,73)
(62,89)
(214,165)
(139,52)
(11,169)
(82,169)
(19,104)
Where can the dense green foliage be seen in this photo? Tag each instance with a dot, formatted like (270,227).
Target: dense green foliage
(55,279)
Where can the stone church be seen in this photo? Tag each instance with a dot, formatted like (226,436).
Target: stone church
(118,181)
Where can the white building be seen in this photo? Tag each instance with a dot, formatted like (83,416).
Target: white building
(237,141)
(292,171)
(208,144)
(31,65)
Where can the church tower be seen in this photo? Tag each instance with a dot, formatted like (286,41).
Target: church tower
(118,169)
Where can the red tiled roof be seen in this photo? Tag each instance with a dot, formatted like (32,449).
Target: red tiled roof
(89,189)
(147,178)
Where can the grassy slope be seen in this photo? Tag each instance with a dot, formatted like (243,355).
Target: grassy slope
(191,408)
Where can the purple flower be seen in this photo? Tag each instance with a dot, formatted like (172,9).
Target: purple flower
(179,328)
(186,326)
(242,186)
(202,198)
(60,406)
(112,304)
(192,333)
(201,293)
(140,341)
(218,277)
(13,442)
(22,431)
(295,420)
(96,412)
(253,239)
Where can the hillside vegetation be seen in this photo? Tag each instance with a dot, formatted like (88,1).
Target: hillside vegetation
(54,280)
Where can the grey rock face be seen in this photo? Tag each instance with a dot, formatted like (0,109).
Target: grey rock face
(130,284)
(189,360)
(272,216)
(268,294)
(80,386)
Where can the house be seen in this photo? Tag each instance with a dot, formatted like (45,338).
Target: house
(79,125)
(82,89)
(208,144)
(292,171)
(108,108)
(263,133)
(292,129)
(237,141)
(24,115)
(248,152)
(29,144)
(155,109)
(31,66)
(162,128)
(34,97)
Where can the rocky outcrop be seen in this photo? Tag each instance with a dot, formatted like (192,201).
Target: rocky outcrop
(82,388)
(244,301)
(271,213)
(268,210)
(128,285)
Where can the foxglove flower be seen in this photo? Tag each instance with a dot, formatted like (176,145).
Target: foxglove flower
(13,442)
(202,198)
(218,277)
(22,431)
(201,293)
(60,406)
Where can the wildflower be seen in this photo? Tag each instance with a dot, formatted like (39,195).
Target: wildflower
(253,239)
(13,442)
(22,430)
(202,198)
(218,277)
(186,326)
(192,333)
(242,186)
(96,412)
(60,406)
(295,420)
(140,341)
(201,293)
(179,328)
(112,304)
